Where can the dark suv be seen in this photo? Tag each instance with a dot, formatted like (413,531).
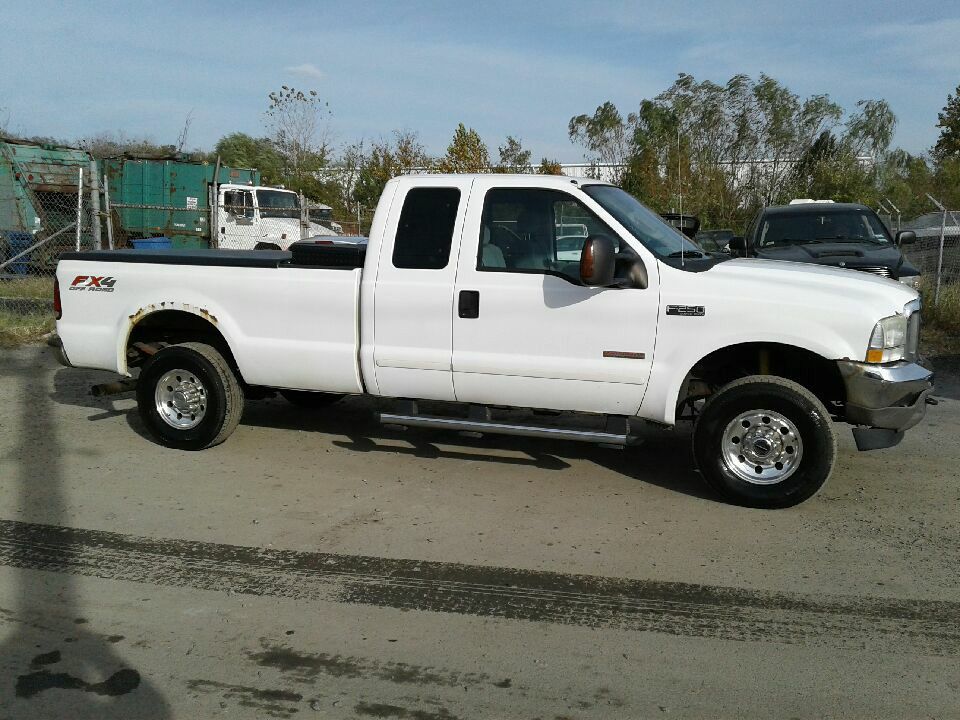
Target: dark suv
(840,234)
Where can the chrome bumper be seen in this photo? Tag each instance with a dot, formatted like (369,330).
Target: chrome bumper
(886,399)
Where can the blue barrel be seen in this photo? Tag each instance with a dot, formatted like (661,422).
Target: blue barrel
(17,242)
(154,243)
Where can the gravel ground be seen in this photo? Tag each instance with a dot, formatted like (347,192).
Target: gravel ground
(318,565)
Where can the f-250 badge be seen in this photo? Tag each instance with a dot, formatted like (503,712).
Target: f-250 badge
(687,310)
(93,283)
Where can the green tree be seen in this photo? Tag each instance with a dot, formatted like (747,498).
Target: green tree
(948,144)
(606,135)
(387,160)
(513,158)
(466,153)
(245,151)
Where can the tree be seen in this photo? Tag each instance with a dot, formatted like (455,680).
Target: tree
(948,144)
(550,167)
(113,144)
(466,153)
(296,119)
(605,135)
(242,150)
(513,158)
(387,160)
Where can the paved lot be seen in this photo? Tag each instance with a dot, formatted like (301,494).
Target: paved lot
(317,565)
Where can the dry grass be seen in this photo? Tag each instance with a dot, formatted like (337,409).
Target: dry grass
(27,287)
(19,328)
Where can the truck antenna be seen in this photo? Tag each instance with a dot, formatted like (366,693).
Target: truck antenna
(680,193)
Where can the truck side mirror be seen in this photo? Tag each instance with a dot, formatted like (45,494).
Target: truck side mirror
(738,245)
(597,261)
(906,237)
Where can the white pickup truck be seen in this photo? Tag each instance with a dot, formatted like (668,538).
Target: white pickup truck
(461,296)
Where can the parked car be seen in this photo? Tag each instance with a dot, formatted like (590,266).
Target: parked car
(462,298)
(687,224)
(845,235)
(715,241)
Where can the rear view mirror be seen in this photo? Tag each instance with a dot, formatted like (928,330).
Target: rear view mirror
(906,237)
(737,245)
(597,261)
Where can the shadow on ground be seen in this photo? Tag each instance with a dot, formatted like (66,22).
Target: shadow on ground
(54,662)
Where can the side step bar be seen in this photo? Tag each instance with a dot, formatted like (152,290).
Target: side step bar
(486,426)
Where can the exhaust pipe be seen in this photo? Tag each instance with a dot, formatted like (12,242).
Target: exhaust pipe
(114,388)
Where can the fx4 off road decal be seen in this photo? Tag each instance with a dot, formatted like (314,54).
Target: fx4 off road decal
(93,283)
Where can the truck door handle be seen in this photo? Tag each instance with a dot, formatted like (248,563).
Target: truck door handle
(468,305)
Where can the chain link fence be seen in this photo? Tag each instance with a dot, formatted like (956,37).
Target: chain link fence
(936,252)
(41,221)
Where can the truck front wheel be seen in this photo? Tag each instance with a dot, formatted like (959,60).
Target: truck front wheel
(764,441)
(189,397)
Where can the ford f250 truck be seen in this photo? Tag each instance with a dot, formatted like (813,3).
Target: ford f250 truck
(462,296)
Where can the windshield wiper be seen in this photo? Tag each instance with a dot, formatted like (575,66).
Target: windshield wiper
(686,253)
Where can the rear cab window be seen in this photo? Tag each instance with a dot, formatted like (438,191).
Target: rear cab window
(425,230)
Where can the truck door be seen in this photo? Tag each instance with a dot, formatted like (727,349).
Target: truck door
(235,220)
(526,332)
(413,302)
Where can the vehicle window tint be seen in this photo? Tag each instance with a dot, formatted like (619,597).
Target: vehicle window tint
(425,232)
(531,230)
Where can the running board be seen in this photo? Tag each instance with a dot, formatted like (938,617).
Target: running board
(486,426)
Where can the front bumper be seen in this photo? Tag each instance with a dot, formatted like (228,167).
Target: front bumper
(885,399)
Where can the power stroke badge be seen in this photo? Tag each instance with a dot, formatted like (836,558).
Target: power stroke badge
(93,283)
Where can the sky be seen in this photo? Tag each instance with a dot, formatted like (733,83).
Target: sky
(520,68)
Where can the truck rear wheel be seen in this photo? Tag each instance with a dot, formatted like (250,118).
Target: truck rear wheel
(765,441)
(188,397)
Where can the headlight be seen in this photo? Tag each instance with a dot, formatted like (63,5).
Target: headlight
(888,340)
(911,281)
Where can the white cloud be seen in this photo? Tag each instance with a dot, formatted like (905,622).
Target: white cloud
(308,70)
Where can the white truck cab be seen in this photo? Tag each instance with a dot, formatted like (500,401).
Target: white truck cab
(249,216)
(469,293)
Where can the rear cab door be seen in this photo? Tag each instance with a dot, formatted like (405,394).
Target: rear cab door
(414,288)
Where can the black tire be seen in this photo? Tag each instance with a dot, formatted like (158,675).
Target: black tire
(309,399)
(222,393)
(816,447)
(266,246)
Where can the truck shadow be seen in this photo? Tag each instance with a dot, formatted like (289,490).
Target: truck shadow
(664,460)
(53,661)
(947,376)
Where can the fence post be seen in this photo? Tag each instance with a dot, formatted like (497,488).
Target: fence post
(943,227)
(304,218)
(96,240)
(106,202)
(79,207)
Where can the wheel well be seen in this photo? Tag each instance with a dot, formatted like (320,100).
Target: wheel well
(816,373)
(178,326)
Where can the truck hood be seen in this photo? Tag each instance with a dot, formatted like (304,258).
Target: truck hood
(817,286)
(283,231)
(842,254)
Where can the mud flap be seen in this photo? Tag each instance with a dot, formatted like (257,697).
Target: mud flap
(876,438)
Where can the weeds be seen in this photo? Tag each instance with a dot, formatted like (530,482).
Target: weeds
(19,328)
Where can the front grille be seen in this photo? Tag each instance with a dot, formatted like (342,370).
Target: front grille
(874,269)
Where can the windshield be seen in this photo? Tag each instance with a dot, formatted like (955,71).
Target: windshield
(780,229)
(278,203)
(644,224)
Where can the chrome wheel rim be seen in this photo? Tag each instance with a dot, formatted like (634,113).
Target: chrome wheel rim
(181,399)
(762,447)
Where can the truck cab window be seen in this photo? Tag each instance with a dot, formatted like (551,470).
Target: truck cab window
(425,231)
(238,203)
(531,230)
